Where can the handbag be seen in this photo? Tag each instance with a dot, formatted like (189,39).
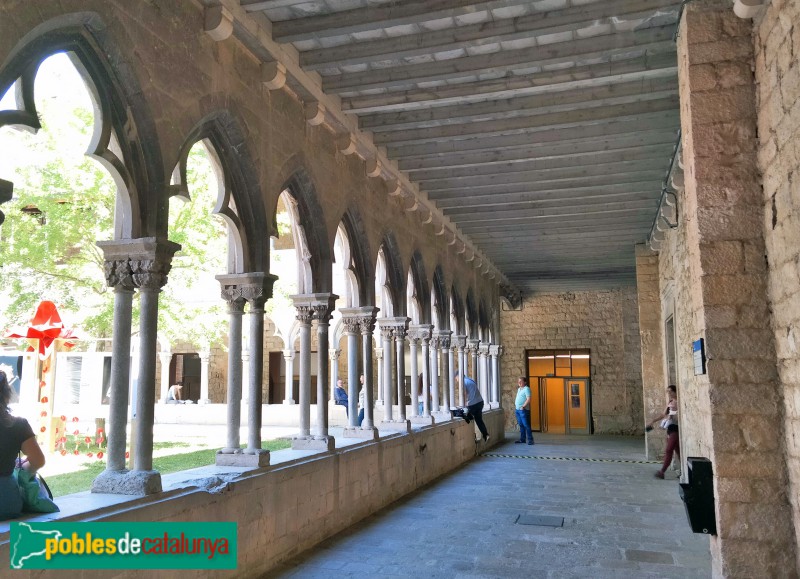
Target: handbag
(36,495)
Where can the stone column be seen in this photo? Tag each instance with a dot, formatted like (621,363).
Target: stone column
(323,306)
(494,350)
(379,358)
(436,406)
(352,328)
(451,363)
(413,340)
(461,344)
(483,372)
(165,357)
(205,355)
(472,348)
(736,412)
(425,336)
(651,333)
(400,346)
(149,273)
(118,276)
(334,354)
(305,314)
(367,331)
(446,373)
(288,358)
(245,370)
(256,296)
(235,312)
(386,335)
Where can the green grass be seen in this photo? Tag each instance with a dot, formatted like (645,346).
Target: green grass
(81,480)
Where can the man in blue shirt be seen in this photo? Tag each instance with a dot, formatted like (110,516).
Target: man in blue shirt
(340,396)
(523,405)
(474,404)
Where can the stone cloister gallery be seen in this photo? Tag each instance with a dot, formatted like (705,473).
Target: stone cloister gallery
(470,183)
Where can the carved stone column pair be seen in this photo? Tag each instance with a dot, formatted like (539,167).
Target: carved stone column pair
(361,320)
(314,307)
(141,264)
(237,290)
(420,333)
(394,329)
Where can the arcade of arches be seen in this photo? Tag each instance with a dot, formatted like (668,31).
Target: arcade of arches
(385,279)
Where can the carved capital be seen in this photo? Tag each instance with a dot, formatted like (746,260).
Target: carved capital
(304,315)
(149,274)
(386,332)
(444,338)
(352,324)
(118,274)
(460,342)
(399,332)
(472,344)
(494,350)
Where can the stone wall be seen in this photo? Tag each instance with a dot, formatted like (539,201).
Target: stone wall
(777,72)
(605,322)
(288,508)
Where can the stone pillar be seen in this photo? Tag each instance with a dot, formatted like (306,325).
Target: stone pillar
(483,358)
(494,350)
(118,276)
(366,322)
(472,348)
(425,336)
(334,354)
(400,346)
(235,312)
(205,355)
(165,357)
(461,344)
(368,429)
(245,370)
(394,327)
(386,335)
(352,329)
(305,314)
(451,379)
(288,358)
(256,296)
(651,333)
(738,418)
(436,406)
(446,373)
(379,358)
(323,306)
(149,272)
(413,340)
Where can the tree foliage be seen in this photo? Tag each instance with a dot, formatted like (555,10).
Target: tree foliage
(64,202)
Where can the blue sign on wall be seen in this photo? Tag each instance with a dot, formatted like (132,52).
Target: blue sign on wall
(699,355)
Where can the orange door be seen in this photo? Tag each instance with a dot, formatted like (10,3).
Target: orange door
(555,406)
(578,412)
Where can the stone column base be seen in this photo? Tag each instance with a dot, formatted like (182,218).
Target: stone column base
(314,443)
(256,459)
(362,433)
(423,420)
(128,482)
(396,425)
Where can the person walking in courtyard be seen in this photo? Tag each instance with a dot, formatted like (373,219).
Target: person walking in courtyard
(474,404)
(522,403)
(16,435)
(340,396)
(669,421)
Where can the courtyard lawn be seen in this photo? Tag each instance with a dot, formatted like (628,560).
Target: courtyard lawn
(81,480)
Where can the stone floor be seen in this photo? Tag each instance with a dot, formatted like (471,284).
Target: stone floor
(618,520)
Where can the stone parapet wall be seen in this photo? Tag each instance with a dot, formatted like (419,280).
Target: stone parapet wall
(282,511)
(776,39)
(605,322)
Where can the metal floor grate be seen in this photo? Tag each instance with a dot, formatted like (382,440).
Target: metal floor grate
(540,520)
(569,458)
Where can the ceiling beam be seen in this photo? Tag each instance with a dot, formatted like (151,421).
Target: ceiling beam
(645,153)
(379,16)
(561,120)
(534,214)
(596,74)
(523,106)
(652,41)
(645,122)
(609,13)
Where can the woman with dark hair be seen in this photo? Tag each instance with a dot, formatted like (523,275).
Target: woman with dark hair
(669,421)
(16,436)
